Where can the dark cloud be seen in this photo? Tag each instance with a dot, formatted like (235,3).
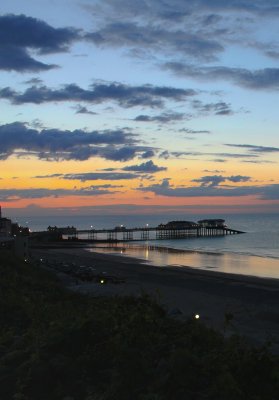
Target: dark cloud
(148,167)
(266,78)
(17,59)
(215,180)
(124,95)
(122,153)
(148,154)
(54,144)
(19,34)
(164,118)
(267,192)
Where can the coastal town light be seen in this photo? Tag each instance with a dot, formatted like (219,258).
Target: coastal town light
(197,316)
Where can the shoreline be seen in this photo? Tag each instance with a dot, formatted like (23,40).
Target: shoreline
(228,262)
(185,268)
(250,302)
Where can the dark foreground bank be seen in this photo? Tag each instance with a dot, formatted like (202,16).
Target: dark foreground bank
(251,303)
(57,344)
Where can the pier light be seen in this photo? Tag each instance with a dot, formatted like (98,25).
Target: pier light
(197,316)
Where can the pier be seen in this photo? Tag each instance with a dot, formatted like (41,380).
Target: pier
(171,230)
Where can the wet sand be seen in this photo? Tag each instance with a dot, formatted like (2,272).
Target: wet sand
(252,303)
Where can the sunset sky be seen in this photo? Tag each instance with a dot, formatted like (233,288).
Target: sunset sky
(138,104)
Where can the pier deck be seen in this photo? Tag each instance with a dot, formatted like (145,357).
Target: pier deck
(148,233)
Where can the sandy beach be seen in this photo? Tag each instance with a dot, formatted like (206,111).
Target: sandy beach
(250,303)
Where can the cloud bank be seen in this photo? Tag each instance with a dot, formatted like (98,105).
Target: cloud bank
(124,95)
(265,192)
(54,144)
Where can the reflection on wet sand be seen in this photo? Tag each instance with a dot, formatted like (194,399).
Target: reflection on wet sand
(223,262)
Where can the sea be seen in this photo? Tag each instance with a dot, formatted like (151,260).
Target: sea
(255,253)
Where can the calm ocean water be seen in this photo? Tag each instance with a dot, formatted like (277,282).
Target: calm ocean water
(254,253)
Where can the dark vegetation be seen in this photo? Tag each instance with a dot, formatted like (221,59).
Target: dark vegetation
(55,344)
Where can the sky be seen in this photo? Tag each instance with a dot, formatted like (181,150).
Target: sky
(139,106)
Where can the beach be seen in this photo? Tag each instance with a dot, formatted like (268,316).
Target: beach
(230,303)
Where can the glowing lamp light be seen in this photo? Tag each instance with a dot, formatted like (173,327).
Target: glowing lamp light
(197,316)
(102,281)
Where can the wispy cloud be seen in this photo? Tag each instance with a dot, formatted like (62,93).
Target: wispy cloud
(194,131)
(220,108)
(255,148)
(84,110)
(94,176)
(163,118)
(147,36)
(261,79)
(39,193)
